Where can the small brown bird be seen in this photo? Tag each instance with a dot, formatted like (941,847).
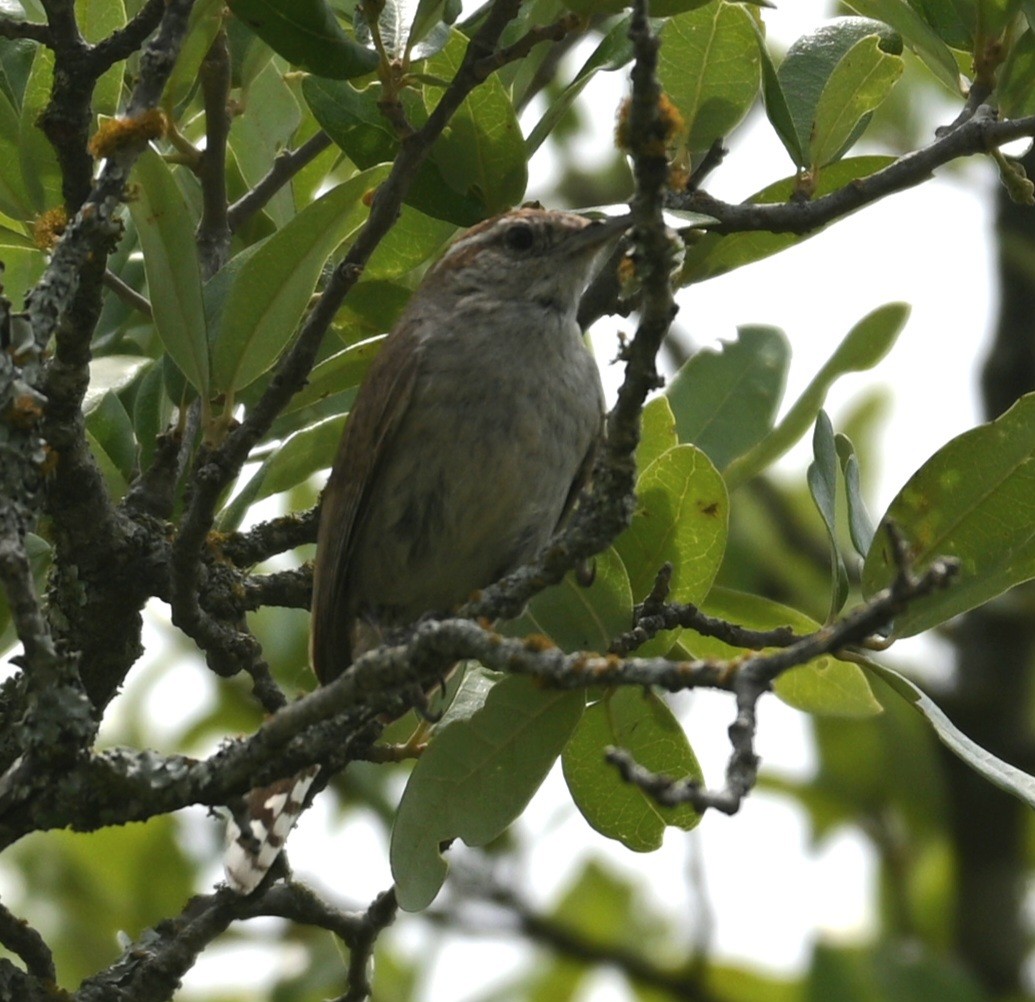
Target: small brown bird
(465,450)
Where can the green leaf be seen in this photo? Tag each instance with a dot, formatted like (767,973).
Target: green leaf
(917,34)
(23,268)
(709,65)
(825,685)
(1016,85)
(973,500)
(307,34)
(482,154)
(953,21)
(858,85)
(352,119)
(860,525)
(887,973)
(14,196)
(97,19)
(642,724)
(152,411)
(714,255)
(206,18)
(825,67)
(270,294)
(682,516)
(413,240)
(166,229)
(476,777)
(38,551)
(295,460)
(657,432)
(40,172)
(863,347)
(776,108)
(270,118)
(613,52)
(114,481)
(111,429)
(822,481)
(111,373)
(341,371)
(577,618)
(725,400)
(982,761)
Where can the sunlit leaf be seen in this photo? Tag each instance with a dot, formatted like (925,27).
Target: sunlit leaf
(710,67)
(682,514)
(657,432)
(917,35)
(642,724)
(830,79)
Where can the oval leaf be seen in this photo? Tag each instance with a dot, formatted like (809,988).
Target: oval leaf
(682,515)
(709,65)
(475,778)
(859,84)
(973,500)
(576,618)
(642,724)
(657,432)
(725,400)
(811,63)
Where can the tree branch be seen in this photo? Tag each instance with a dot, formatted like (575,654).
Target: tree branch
(753,676)
(285,166)
(977,134)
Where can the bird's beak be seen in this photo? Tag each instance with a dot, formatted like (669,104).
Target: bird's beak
(601,231)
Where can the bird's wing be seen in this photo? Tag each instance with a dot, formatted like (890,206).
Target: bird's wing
(382,401)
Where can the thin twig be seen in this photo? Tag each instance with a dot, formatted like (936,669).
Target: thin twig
(285,166)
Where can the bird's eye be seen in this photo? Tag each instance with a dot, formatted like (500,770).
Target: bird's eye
(519,237)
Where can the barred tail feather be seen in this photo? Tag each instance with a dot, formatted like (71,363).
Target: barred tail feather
(271,814)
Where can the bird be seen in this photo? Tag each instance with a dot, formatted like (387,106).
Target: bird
(466,449)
